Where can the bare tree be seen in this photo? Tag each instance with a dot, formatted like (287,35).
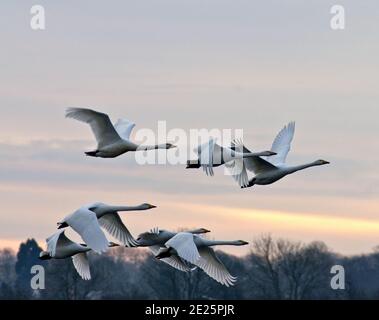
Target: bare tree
(288,270)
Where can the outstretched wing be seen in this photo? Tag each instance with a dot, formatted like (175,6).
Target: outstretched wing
(205,153)
(100,123)
(85,222)
(81,265)
(253,164)
(213,267)
(57,239)
(113,224)
(282,144)
(237,170)
(237,167)
(184,244)
(174,260)
(124,128)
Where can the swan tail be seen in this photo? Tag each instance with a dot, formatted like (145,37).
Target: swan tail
(193,164)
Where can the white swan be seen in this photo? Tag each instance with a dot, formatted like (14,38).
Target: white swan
(211,154)
(272,169)
(198,251)
(85,223)
(112,140)
(110,220)
(60,247)
(155,240)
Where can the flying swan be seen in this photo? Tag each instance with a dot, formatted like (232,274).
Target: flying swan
(155,240)
(85,223)
(198,251)
(110,220)
(270,170)
(112,140)
(211,154)
(60,247)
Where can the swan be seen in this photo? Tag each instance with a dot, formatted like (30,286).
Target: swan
(112,140)
(86,224)
(110,220)
(270,170)
(211,154)
(155,240)
(198,251)
(60,247)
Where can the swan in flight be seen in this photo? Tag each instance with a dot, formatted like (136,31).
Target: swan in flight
(270,170)
(112,140)
(211,154)
(86,224)
(155,240)
(60,247)
(198,251)
(110,220)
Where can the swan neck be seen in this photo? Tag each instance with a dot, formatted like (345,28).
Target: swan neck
(222,243)
(153,147)
(125,208)
(301,167)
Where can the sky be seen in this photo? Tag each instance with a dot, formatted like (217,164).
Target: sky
(251,65)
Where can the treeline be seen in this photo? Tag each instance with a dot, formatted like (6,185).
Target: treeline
(274,269)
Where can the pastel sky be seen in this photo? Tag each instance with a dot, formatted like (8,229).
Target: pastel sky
(251,65)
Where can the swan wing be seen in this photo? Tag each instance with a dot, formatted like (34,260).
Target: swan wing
(237,170)
(206,153)
(253,164)
(185,246)
(124,128)
(282,144)
(58,239)
(113,224)
(81,265)
(213,267)
(85,222)
(100,124)
(174,261)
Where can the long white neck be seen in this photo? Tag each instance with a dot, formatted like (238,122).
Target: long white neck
(222,243)
(126,208)
(153,147)
(293,169)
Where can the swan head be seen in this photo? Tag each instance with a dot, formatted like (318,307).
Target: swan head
(44,255)
(241,243)
(170,146)
(147,206)
(321,162)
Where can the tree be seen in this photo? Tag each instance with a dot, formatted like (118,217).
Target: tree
(27,256)
(289,270)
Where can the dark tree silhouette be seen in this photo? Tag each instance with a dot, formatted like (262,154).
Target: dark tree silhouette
(27,257)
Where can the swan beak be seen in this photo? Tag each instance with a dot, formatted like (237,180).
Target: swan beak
(244,243)
(326,162)
(206,230)
(152,206)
